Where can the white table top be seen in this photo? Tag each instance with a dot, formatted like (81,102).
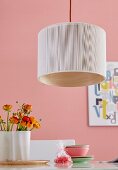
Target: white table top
(92,166)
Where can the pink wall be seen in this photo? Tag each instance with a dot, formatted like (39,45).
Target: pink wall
(64,110)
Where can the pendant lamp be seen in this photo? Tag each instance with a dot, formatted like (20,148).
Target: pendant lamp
(71,54)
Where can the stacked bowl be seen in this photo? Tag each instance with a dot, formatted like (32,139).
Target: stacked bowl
(78,153)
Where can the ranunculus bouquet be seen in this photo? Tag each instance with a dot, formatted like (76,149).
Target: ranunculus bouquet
(21,120)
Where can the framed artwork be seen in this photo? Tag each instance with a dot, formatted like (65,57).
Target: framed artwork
(103,99)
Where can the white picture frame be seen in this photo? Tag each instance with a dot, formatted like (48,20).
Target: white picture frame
(103,99)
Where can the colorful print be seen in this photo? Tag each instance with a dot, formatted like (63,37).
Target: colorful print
(103,99)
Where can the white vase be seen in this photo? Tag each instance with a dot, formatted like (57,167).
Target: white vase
(14,145)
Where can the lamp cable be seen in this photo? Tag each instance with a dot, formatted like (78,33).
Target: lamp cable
(70,11)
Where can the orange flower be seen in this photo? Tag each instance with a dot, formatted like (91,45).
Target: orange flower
(14,120)
(36,125)
(23,123)
(30,122)
(29,125)
(32,119)
(26,122)
(21,115)
(27,108)
(7,107)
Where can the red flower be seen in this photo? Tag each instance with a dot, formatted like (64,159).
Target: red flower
(26,119)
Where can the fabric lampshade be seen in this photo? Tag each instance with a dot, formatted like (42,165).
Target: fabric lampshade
(71,54)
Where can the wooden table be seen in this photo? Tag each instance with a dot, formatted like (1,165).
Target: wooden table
(93,166)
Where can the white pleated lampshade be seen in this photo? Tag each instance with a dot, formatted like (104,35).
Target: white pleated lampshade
(71,54)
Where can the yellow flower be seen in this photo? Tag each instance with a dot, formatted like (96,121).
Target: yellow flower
(7,107)
(34,122)
(36,125)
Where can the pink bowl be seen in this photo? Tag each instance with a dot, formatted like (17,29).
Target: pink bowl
(77,150)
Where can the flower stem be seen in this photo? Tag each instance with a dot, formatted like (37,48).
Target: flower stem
(31,129)
(12,126)
(8,121)
(4,126)
(1,127)
(17,127)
